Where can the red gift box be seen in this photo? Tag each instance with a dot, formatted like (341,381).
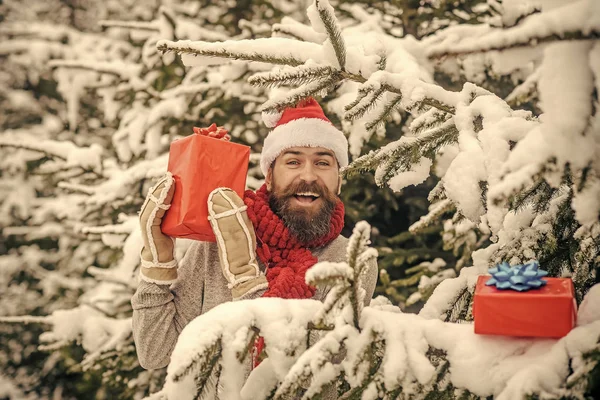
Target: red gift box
(199,165)
(549,311)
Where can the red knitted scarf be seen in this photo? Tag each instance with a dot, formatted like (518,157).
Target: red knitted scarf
(286,259)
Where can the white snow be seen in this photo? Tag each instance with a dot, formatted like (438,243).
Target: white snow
(417,174)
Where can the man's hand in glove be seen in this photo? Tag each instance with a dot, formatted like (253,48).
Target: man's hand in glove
(237,243)
(158,257)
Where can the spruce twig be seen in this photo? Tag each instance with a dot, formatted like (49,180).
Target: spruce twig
(297,76)
(182,47)
(137,25)
(404,156)
(385,113)
(437,211)
(295,384)
(334,31)
(294,96)
(431,118)
(525,41)
(400,155)
(373,356)
(205,362)
(27,319)
(252,335)
(367,101)
(357,246)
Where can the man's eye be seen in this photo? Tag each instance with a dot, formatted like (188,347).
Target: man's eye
(323,163)
(292,162)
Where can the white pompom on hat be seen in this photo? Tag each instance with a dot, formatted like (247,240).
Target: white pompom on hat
(302,126)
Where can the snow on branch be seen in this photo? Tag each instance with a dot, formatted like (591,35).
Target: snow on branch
(87,158)
(96,332)
(125,71)
(296,76)
(379,118)
(297,30)
(400,155)
(572,21)
(434,213)
(292,97)
(269,50)
(137,25)
(330,25)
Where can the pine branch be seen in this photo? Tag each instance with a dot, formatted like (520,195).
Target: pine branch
(297,76)
(525,91)
(77,188)
(313,326)
(299,380)
(252,335)
(440,208)
(334,298)
(402,158)
(294,96)
(54,346)
(168,14)
(334,31)
(458,306)
(367,101)
(522,42)
(430,119)
(34,146)
(357,245)
(382,61)
(528,33)
(385,113)
(359,97)
(27,319)
(185,47)
(137,25)
(114,69)
(204,361)
(373,357)
(285,31)
(400,155)
(437,193)
(297,30)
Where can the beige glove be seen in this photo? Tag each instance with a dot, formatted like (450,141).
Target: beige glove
(237,243)
(158,254)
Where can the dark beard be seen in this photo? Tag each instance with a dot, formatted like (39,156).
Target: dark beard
(304,225)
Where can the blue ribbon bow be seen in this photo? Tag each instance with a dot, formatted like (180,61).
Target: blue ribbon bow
(518,277)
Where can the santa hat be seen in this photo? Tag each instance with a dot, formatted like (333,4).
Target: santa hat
(302,126)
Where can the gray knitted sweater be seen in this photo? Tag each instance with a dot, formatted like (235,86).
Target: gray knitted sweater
(161,312)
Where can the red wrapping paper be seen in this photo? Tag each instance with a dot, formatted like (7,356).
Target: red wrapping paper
(199,165)
(549,311)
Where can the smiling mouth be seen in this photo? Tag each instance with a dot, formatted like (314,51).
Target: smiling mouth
(306,198)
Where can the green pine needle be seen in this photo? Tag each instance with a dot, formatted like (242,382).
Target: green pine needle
(334,33)
(224,53)
(301,75)
(296,95)
(385,113)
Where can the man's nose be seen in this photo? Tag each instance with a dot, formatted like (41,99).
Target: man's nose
(308,173)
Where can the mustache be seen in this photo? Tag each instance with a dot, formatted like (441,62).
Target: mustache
(303,186)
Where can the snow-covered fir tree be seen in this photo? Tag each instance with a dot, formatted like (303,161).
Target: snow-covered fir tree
(514,185)
(529,182)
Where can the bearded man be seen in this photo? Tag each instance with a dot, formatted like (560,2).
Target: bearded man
(265,242)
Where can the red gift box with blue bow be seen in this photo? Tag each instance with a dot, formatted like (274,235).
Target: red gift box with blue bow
(518,301)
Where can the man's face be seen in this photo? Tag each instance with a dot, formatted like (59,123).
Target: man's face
(303,183)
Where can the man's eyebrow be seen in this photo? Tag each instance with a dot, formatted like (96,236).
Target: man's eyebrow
(325,153)
(294,152)
(319,153)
